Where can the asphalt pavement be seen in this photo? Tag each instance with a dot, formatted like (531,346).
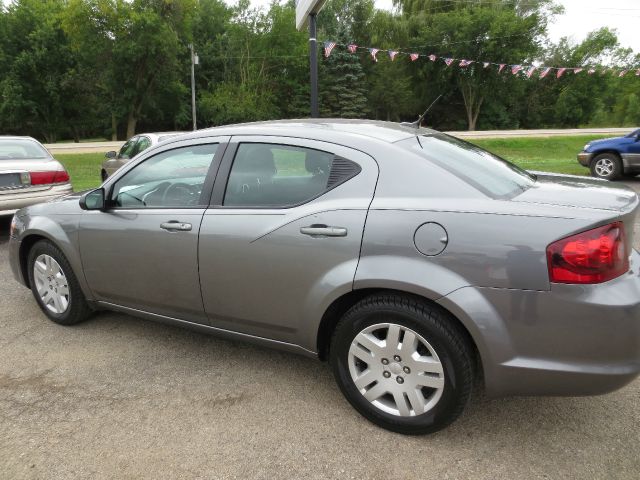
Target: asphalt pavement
(120,397)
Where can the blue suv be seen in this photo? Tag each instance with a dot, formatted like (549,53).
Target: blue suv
(611,158)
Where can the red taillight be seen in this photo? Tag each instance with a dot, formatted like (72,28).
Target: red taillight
(45,178)
(594,256)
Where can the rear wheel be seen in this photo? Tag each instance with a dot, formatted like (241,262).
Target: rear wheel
(403,364)
(607,166)
(54,285)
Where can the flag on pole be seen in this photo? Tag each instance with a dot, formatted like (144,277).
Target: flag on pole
(501,67)
(328,46)
(545,72)
(392,54)
(465,63)
(560,72)
(515,68)
(352,48)
(432,57)
(530,71)
(577,70)
(485,64)
(414,56)
(448,61)
(374,52)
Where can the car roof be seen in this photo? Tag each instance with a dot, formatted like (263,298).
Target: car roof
(16,137)
(157,135)
(319,127)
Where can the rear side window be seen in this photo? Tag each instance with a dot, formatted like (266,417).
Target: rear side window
(483,170)
(269,175)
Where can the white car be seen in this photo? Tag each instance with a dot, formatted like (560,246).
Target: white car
(28,174)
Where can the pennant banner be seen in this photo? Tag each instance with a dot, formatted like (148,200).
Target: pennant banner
(527,70)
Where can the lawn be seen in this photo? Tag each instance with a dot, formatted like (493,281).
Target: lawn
(553,154)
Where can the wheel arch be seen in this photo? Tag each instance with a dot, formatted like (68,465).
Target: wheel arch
(605,150)
(342,304)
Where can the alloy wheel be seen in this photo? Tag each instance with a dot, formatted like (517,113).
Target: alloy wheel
(51,284)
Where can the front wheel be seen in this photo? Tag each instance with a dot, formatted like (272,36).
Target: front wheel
(402,363)
(54,285)
(607,166)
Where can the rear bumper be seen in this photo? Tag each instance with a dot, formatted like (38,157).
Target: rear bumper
(584,158)
(571,340)
(12,201)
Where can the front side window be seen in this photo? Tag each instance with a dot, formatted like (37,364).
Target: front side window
(128,148)
(171,179)
(270,175)
(142,145)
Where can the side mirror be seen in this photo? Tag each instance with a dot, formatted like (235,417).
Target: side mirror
(111,154)
(93,200)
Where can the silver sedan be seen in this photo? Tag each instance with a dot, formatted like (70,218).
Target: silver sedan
(417,264)
(28,174)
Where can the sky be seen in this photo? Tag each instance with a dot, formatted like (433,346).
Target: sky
(580,18)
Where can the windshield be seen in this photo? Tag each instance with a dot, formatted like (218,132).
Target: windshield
(492,175)
(19,149)
(633,134)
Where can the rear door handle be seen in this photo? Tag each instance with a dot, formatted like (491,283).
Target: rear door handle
(323,231)
(175,226)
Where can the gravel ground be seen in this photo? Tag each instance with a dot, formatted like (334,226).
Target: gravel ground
(119,397)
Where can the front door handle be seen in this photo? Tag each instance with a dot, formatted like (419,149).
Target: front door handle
(175,226)
(318,230)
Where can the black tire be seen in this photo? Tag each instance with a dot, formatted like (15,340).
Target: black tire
(77,309)
(606,162)
(103,175)
(438,328)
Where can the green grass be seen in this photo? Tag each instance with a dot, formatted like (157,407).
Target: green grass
(553,154)
(83,168)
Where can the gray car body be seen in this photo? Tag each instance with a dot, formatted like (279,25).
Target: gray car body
(249,273)
(15,198)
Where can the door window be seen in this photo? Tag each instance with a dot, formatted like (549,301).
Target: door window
(142,144)
(171,179)
(128,148)
(270,175)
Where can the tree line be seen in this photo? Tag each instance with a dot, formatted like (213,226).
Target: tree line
(110,68)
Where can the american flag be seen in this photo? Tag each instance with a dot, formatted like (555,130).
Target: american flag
(591,71)
(530,71)
(577,70)
(545,72)
(392,54)
(352,48)
(516,68)
(432,57)
(623,73)
(448,61)
(328,46)
(501,67)
(465,63)
(486,64)
(415,56)
(560,72)
(374,52)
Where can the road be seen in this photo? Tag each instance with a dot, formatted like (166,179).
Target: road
(97,147)
(120,397)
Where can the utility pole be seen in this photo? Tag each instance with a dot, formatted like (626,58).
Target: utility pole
(194,62)
(313,56)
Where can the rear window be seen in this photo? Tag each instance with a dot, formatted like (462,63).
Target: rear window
(483,170)
(19,149)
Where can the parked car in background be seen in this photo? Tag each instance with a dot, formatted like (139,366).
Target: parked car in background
(132,147)
(612,158)
(28,174)
(414,262)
